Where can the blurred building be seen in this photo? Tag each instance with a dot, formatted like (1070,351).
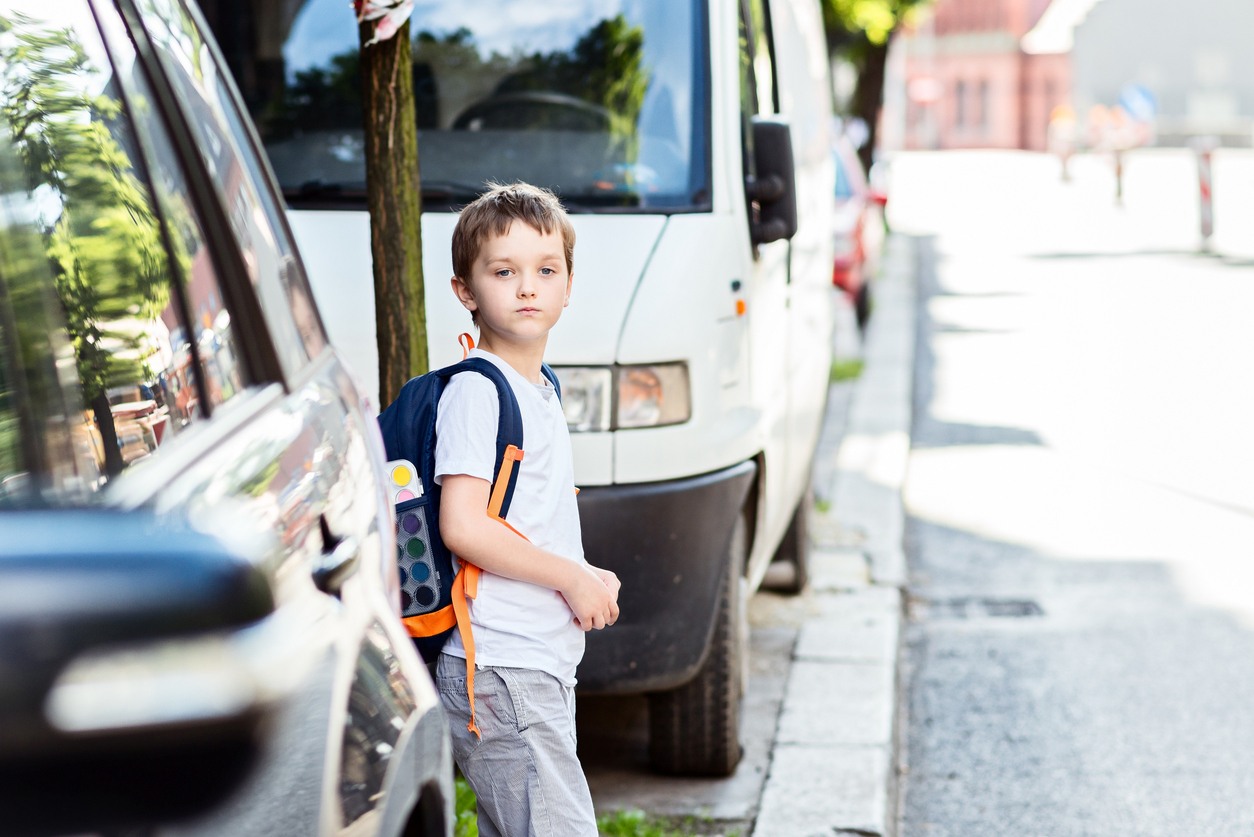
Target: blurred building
(973,80)
(1195,57)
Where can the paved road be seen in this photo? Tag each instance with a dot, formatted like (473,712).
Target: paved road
(1080,648)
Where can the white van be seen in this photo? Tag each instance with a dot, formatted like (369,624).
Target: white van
(695,354)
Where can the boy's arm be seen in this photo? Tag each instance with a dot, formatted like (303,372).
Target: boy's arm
(467,530)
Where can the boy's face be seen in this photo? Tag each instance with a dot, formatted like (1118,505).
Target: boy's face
(519,283)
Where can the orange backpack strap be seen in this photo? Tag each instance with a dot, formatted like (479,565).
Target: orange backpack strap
(467,343)
(466,585)
(512,455)
(430,624)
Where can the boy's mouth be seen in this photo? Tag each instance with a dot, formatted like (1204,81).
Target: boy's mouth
(528,310)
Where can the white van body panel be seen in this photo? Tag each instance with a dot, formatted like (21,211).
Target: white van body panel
(685,309)
(335,248)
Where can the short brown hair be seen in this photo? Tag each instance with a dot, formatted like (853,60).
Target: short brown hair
(491,214)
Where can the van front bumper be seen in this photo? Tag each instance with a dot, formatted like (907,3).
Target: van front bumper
(667,542)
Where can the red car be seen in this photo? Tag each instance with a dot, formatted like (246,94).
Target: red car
(858,229)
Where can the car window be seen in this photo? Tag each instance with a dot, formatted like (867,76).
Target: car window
(605,102)
(100,367)
(210,319)
(295,283)
(202,89)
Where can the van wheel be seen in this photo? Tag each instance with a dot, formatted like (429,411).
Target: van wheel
(794,550)
(694,730)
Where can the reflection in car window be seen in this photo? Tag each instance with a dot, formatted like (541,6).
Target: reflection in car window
(12,463)
(104,372)
(210,320)
(604,102)
(36,427)
(189,63)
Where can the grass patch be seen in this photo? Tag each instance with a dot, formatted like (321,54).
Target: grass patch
(630,823)
(846,369)
(467,824)
(635,823)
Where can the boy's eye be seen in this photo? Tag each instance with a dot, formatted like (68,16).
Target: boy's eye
(503,272)
(547,271)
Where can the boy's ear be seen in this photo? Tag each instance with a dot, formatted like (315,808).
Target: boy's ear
(570,280)
(464,295)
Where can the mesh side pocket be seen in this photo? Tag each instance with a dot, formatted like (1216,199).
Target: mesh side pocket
(420,581)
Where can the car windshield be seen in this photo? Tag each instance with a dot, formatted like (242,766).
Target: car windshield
(603,101)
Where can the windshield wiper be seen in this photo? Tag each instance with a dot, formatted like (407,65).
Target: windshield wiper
(322,190)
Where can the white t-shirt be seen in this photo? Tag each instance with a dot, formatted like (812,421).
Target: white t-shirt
(517,624)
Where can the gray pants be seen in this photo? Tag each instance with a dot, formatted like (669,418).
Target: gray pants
(525,771)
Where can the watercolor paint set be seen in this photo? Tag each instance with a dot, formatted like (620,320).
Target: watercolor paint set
(420,581)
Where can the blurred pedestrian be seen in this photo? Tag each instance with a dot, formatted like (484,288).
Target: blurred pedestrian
(1062,136)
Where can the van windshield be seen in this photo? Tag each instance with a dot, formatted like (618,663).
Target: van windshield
(603,101)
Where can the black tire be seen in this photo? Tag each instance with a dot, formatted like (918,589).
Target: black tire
(862,305)
(694,730)
(794,549)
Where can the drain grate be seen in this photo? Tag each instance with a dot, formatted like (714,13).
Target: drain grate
(977,608)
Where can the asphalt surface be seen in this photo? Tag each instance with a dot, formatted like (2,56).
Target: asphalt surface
(1080,641)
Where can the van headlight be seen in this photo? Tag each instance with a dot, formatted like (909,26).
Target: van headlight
(620,397)
(587,397)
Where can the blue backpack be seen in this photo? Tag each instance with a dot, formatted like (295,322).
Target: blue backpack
(408,424)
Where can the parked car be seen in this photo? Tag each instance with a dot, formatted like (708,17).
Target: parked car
(199,602)
(858,229)
(689,139)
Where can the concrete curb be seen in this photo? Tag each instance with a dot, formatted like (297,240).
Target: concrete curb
(832,770)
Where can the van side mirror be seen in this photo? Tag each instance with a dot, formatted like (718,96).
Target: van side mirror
(774,189)
(127,696)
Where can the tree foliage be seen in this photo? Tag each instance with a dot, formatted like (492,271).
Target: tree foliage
(605,66)
(859,31)
(872,20)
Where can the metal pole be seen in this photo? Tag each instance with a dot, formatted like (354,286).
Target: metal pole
(1119,176)
(1204,187)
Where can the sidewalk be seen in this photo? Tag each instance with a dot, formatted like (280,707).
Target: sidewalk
(833,765)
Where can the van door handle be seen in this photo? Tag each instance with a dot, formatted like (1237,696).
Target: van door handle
(337,563)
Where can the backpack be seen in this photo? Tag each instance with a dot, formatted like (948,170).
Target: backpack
(434,592)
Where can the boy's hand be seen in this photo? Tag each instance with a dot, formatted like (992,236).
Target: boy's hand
(610,580)
(590,598)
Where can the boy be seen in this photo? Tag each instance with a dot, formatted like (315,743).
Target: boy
(513,259)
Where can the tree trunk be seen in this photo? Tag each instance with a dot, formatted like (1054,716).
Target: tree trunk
(395,198)
(868,96)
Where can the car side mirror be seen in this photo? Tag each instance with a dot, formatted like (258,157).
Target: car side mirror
(126,699)
(774,189)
